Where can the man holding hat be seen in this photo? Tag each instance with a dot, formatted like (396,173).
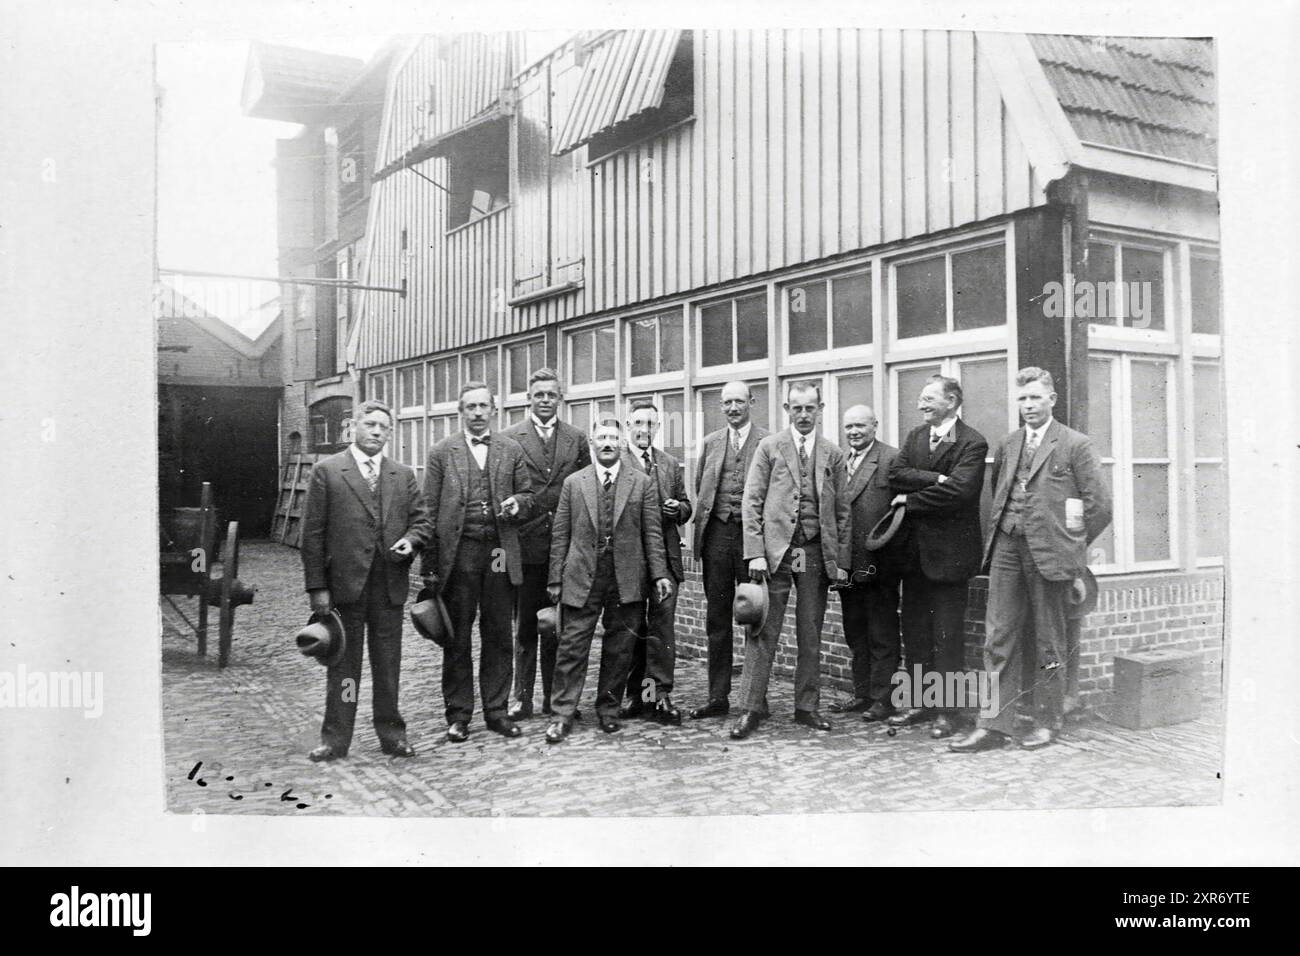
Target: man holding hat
(477,485)
(1049,503)
(363,522)
(725,457)
(655,657)
(607,547)
(870,602)
(796,520)
(937,477)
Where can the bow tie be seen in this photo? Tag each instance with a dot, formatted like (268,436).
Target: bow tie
(480,441)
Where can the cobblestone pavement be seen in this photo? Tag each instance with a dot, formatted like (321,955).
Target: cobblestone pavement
(237,741)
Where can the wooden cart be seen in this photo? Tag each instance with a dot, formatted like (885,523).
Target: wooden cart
(187,569)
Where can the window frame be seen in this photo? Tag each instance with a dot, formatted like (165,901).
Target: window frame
(649,380)
(597,386)
(733,369)
(1119,337)
(863,352)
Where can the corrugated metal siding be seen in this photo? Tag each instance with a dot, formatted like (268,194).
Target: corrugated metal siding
(1147,95)
(806,144)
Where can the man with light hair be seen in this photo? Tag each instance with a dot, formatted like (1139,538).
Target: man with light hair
(1049,504)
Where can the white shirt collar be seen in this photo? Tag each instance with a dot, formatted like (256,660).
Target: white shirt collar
(602,471)
(862,453)
(361,458)
(743,432)
(808,441)
(945,428)
(1038,432)
(537,422)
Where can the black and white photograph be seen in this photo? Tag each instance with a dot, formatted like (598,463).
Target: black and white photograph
(908,342)
(820,418)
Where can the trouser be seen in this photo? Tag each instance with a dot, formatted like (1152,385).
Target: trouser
(1025,610)
(654,654)
(934,623)
(479,584)
(809,615)
(871,630)
(373,619)
(620,621)
(723,559)
(530,598)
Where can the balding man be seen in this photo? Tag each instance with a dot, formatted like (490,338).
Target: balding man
(870,602)
(725,457)
(938,475)
(797,534)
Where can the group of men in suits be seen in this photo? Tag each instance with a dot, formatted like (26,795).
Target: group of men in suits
(540,515)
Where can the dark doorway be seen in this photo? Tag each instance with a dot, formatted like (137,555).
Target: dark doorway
(226,436)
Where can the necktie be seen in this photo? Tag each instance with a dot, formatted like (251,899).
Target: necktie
(609,480)
(1031,445)
(803,454)
(645,456)
(935,438)
(479,441)
(735,441)
(853,461)
(372,475)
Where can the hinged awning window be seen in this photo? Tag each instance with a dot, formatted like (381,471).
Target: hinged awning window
(623,77)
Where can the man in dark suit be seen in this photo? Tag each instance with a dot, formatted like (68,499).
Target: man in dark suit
(870,602)
(476,485)
(655,652)
(725,457)
(553,450)
(363,522)
(796,519)
(1049,504)
(607,547)
(938,475)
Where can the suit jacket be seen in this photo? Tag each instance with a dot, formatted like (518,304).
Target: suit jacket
(869,494)
(1065,466)
(770,507)
(446,493)
(712,452)
(571,454)
(638,536)
(943,520)
(338,526)
(667,481)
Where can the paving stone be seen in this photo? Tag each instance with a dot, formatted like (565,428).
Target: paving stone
(256,720)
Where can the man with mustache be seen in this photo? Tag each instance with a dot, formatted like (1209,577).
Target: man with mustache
(606,547)
(477,487)
(796,520)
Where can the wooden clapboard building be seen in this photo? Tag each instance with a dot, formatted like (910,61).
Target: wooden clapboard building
(655,212)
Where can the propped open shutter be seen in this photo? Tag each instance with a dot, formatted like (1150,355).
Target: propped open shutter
(623,77)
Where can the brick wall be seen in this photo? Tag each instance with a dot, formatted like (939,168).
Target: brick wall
(1134,612)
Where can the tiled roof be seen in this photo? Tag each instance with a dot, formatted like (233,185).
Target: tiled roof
(1147,94)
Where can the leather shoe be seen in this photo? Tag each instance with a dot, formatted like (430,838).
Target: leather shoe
(942,728)
(458,732)
(665,713)
(854,705)
(632,709)
(977,740)
(503,726)
(880,710)
(325,753)
(1037,739)
(520,710)
(812,718)
(558,730)
(714,708)
(909,716)
(398,748)
(610,725)
(746,725)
